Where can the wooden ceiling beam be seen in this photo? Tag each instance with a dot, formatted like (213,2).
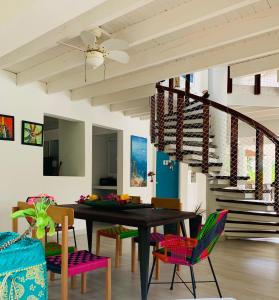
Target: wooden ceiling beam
(129,104)
(245,49)
(103,13)
(263,21)
(255,66)
(124,95)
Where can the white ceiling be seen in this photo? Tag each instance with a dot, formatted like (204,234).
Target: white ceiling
(166,37)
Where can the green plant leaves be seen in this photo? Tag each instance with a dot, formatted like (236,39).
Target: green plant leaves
(29,212)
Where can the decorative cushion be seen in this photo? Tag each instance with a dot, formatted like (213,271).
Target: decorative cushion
(155,237)
(78,262)
(121,231)
(53,248)
(22,269)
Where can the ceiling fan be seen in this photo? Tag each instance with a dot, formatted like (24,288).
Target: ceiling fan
(95,53)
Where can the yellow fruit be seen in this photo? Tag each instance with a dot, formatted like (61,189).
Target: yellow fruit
(124,197)
(93,197)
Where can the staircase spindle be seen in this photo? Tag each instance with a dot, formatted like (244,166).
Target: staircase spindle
(179,127)
(170,99)
(205,148)
(234,151)
(152,119)
(187,88)
(276,182)
(259,164)
(161,119)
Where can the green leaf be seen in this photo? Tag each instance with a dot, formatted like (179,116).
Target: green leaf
(51,226)
(29,212)
(42,221)
(40,232)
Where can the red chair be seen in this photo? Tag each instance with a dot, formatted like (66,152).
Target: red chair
(188,252)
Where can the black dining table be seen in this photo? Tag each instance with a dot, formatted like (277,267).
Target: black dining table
(142,218)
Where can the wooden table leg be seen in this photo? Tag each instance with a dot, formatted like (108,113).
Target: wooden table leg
(144,250)
(89,231)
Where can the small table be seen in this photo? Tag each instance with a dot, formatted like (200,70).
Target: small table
(142,218)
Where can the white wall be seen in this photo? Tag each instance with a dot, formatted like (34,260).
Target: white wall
(22,166)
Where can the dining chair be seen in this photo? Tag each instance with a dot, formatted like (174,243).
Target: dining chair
(188,252)
(58,227)
(72,264)
(155,236)
(118,233)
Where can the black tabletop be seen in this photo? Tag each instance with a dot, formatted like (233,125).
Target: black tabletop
(144,217)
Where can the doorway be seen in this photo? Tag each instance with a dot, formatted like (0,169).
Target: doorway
(167,176)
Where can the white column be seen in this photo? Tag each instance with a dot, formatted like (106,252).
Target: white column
(217,87)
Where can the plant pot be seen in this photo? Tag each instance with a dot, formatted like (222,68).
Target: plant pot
(195,225)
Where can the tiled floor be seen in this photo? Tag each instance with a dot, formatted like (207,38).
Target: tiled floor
(247,270)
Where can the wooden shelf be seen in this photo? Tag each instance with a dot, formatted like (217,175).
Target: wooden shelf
(104,187)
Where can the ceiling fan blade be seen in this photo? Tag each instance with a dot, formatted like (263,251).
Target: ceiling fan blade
(119,56)
(115,44)
(72,46)
(88,39)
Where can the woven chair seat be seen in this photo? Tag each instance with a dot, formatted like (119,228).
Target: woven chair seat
(78,262)
(118,231)
(53,248)
(154,238)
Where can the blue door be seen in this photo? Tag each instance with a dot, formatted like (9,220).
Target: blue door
(166,177)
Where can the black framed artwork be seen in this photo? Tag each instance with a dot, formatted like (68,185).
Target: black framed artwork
(7,128)
(32,133)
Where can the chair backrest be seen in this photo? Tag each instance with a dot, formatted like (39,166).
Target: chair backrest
(209,235)
(135,199)
(65,217)
(168,203)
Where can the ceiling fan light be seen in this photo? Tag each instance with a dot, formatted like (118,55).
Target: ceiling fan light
(95,58)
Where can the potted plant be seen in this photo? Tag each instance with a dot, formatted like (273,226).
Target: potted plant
(40,220)
(196,222)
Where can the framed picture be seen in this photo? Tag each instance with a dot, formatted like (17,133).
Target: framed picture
(32,133)
(7,128)
(138,164)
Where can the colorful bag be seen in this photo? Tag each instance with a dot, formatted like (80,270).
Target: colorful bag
(23,272)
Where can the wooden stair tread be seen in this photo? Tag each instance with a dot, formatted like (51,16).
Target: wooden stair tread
(209,164)
(186,110)
(188,143)
(185,126)
(253,212)
(232,190)
(229,177)
(172,118)
(270,231)
(193,152)
(246,201)
(265,223)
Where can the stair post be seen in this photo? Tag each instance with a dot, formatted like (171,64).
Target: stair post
(179,126)
(276,182)
(161,119)
(234,151)
(205,139)
(170,99)
(259,164)
(152,119)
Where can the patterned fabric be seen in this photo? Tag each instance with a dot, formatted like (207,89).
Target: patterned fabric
(121,231)
(191,251)
(155,238)
(22,269)
(53,248)
(78,262)
(25,284)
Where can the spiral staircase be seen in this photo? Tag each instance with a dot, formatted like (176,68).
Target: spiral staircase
(186,127)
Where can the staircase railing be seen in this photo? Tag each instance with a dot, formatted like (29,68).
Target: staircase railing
(158,108)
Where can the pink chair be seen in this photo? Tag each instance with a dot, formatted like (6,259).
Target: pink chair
(81,262)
